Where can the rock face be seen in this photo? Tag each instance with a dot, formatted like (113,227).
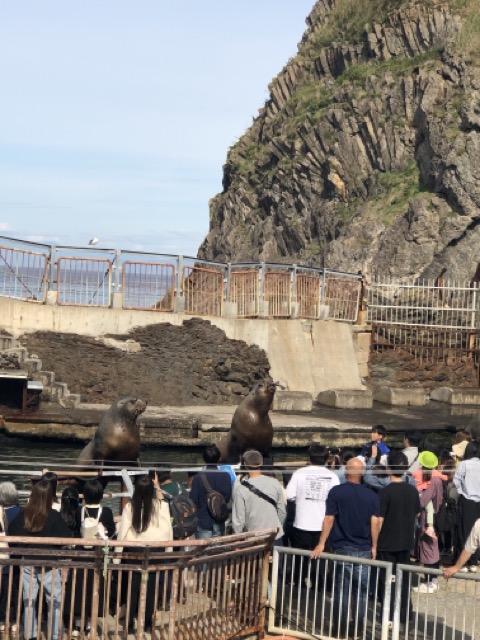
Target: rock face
(367,153)
(192,364)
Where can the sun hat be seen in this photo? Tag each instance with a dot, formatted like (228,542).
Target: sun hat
(252,458)
(428,460)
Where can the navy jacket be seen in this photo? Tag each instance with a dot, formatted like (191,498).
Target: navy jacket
(218,480)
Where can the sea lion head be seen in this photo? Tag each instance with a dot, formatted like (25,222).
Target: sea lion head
(130,407)
(263,392)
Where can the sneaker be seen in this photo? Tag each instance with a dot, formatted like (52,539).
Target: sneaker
(463,570)
(473,568)
(426,587)
(76,632)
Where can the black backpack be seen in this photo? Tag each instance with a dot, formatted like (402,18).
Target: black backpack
(447,516)
(183,514)
(216,503)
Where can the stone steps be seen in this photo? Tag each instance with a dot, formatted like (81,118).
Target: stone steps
(53,391)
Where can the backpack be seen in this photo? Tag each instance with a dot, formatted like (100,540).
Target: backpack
(89,527)
(216,503)
(447,515)
(183,514)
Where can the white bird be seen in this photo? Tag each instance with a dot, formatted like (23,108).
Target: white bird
(93,241)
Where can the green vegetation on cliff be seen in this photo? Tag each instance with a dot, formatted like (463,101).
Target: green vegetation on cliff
(368,145)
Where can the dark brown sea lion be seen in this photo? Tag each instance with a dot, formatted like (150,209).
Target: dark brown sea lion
(251,425)
(117,438)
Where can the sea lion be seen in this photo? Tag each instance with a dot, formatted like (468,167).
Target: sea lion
(117,438)
(251,425)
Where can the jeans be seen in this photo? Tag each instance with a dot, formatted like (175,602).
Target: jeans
(217,530)
(351,589)
(52,582)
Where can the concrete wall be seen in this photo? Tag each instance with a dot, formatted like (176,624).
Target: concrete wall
(306,355)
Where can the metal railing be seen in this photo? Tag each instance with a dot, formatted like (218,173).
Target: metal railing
(450,610)
(341,596)
(426,303)
(23,274)
(329,597)
(133,280)
(205,589)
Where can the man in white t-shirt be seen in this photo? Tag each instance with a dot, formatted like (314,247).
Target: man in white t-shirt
(471,546)
(309,488)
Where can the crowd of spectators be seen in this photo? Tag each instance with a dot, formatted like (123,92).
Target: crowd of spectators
(420,504)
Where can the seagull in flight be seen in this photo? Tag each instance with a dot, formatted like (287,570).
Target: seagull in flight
(93,241)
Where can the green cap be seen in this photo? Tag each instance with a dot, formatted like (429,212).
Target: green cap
(428,460)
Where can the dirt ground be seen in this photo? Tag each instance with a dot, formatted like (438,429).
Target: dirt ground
(192,364)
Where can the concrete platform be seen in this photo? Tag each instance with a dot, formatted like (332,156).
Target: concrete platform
(400,397)
(297,401)
(459,396)
(346,398)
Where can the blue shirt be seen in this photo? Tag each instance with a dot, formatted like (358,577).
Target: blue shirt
(353,506)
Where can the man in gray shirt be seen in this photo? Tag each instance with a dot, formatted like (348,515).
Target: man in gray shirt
(258,500)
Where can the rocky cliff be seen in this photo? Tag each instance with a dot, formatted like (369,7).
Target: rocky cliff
(367,153)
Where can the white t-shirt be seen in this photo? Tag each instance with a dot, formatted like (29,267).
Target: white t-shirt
(473,542)
(309,487)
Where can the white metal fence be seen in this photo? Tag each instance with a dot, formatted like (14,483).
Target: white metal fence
(341,597)
(450,612)
(428,303)
(329,597)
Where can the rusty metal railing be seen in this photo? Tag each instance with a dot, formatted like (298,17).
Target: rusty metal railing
(23,274)
(206,589)
(203,290)
(342,296)
(277,293)
(307,295)
(161,282)
(148,285)
(84,282)
(244,292)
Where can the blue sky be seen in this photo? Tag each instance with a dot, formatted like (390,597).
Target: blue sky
(116,116)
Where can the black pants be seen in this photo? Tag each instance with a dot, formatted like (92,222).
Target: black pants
(395,557)
(15,581)
(469,514)
(302,539)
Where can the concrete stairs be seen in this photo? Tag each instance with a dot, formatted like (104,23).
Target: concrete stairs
(11,353)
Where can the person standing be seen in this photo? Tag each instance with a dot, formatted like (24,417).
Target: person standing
(467,483)
(219,481)
(412,440)
(309,488)
(399,509)
(258,501)
(37,520)
(471,546)
(351,527)
(146,518)
(10,575)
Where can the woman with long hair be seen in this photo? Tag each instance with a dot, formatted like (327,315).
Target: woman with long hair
(52,478)
(146,518)
(68,508)
(39,520)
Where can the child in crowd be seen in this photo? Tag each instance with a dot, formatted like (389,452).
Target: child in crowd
(377,437)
